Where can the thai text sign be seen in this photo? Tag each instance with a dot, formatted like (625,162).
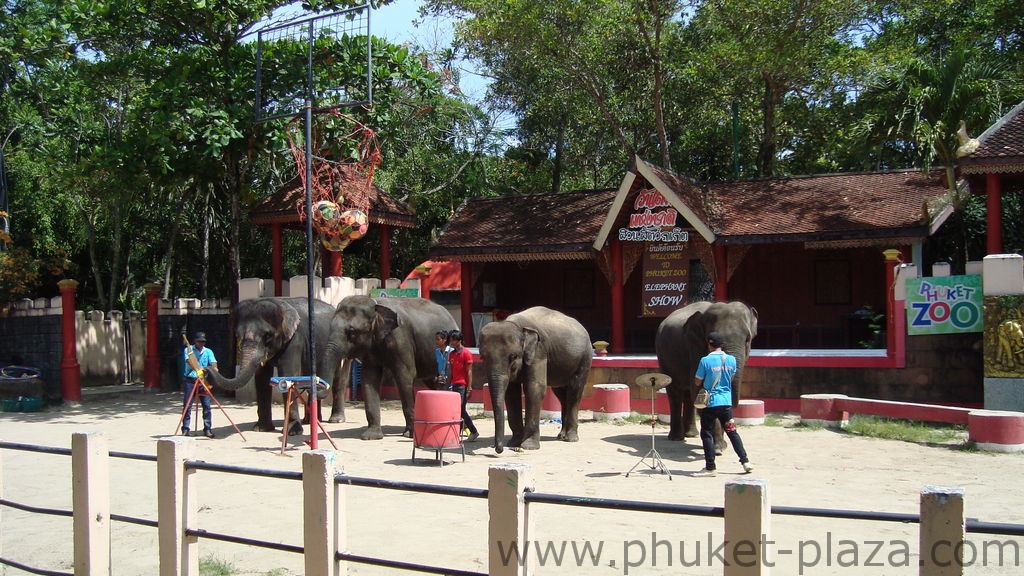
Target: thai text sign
(944,305)
(665,277)
(653,220)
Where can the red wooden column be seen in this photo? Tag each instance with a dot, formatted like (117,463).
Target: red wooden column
(332,262)
(385,252)
(618,344)
(721,256)
(994,217)
(466,302)
(892,259)
(151,373)
(70,370)
(276,266)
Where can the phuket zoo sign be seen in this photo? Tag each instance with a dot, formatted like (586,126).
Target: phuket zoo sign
(944,305)
(666,259)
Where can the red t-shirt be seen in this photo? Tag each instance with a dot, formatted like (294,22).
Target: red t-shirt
(459,360)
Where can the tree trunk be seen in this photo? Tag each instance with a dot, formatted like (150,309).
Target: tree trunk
(169,254)
(204,277)
(769,105)
(115,257)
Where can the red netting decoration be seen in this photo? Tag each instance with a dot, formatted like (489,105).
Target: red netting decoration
(345,155)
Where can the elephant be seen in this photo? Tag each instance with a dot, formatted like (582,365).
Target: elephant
(391,337)
(680,343)
(274,333)
(523,355)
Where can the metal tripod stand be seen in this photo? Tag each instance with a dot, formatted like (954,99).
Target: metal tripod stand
(655,381)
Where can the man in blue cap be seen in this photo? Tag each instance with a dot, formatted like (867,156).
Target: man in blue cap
(205,358)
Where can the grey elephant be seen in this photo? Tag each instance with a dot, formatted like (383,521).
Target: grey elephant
(681,341)
(392,337)
(274,333)
(523,355)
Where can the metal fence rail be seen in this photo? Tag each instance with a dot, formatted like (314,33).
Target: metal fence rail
(509,494)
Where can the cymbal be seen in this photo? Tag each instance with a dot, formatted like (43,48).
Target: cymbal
(653,380)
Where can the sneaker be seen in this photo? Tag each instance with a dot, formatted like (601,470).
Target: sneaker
(705,473)
(209,433)
(748,467)
(185,432)
(472,436)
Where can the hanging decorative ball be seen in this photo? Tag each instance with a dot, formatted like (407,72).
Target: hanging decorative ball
(353,224)
(334,243)
(326,216)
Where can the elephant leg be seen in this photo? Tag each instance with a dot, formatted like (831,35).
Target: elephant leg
(342,380)
(719,436)
(290,365)
(514,409)
(675,409)
(405,381)
(531,428)
(569,396)
(371,399)
(264,399)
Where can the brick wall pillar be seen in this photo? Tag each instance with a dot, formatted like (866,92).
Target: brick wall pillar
(151,373)
(70,370)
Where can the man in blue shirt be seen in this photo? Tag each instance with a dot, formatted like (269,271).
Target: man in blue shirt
(206,359)
(715,373)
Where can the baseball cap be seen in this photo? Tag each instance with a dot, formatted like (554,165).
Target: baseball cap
(199,337)
(716,339)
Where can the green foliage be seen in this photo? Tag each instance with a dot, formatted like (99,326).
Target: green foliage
(213,566)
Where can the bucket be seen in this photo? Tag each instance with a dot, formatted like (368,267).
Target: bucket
(31,403)
(12,404)
(437,419)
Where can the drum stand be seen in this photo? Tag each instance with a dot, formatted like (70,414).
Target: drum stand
(201,388)
(656,463)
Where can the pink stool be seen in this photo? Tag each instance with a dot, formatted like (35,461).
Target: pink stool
(550,408)
(611,401)
(437,422)
(749,413)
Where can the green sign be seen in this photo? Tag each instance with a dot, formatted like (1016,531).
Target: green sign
(944,305)
(395,293)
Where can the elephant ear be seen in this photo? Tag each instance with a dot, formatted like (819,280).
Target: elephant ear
(385,322)
(531,341)
(289,323)
(753,322)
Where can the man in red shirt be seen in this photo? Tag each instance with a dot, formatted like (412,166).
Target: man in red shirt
(459,359)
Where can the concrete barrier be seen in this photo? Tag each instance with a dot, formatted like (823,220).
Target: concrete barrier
(996,430)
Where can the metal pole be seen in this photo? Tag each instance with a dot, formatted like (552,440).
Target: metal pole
(312,406)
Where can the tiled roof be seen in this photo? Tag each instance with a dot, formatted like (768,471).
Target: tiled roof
(1002,145)
(831,206)
(285,205)
(534,225)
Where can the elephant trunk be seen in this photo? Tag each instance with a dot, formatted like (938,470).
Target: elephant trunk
(247,366)
(497,386)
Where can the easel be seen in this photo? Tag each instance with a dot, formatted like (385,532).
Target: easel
(655,381)
(292,387)
(199,389)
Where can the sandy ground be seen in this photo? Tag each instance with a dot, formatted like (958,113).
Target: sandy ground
(803,467)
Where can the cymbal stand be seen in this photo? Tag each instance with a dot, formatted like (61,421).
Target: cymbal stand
(656,462)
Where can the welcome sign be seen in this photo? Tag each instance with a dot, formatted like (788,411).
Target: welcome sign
(944,305)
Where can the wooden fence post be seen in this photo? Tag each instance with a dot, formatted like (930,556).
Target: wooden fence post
(747,528)
(323,512)
(176,507)
(509,524)
(90,503)
(943,531)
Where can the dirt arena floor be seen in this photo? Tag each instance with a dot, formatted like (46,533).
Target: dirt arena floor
(804,467)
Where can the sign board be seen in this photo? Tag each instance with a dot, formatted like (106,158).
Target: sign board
(944,305)
(665,278)
(395,293)
(653,220)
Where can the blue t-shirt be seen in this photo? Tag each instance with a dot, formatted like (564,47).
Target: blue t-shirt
(441,355)
(709,369)
(205,358)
